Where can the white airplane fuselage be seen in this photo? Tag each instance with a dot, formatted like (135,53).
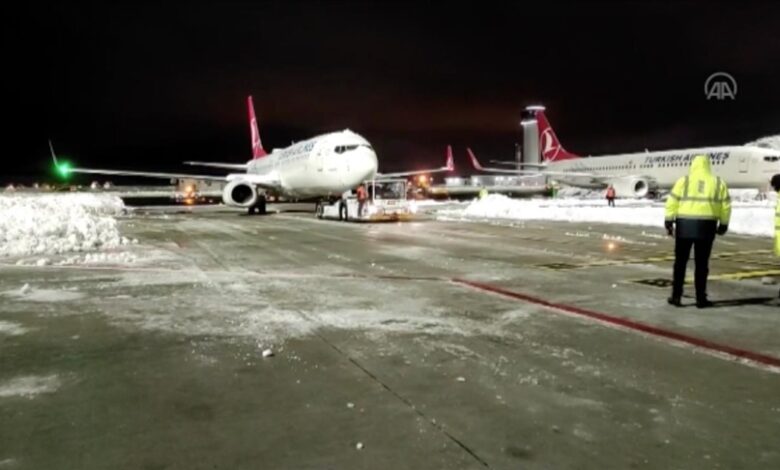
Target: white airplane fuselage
(325,165)
(739,166)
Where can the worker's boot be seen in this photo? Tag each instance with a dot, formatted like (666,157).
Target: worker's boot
(702,302)
(674,300)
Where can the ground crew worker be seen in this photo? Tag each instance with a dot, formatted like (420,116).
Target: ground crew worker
(697,208)
(776,187)
(611,196)
(362,196)
(483,193)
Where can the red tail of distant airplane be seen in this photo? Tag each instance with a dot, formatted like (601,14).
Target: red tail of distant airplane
(257,146)
(549,145)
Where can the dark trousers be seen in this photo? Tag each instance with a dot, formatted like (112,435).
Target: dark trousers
(702,248)
(611,201)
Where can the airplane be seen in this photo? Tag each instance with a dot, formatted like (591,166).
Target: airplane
(324,166)
(644,173)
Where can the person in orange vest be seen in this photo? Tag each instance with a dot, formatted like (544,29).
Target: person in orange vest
(611,195)
(362,196)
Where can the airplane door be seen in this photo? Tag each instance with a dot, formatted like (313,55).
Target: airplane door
(744,162)
(319,159)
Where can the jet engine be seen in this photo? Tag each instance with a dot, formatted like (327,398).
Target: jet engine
(239,193)
(634,186)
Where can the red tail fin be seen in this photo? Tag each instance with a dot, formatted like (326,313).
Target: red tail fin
(450,165)
(549,145)
(474,161)
(257,147)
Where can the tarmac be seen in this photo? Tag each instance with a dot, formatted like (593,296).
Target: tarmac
(284,341)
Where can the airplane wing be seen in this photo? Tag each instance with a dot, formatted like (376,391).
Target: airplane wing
(449,166)
(540,171)
(511,163)
(228,166)
(265,181)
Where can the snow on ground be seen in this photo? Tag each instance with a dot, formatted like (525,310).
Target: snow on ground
(753,218)
(58,223)
(43,295)
(29,386)
(11,329)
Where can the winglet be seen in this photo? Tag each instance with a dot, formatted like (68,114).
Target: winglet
(474,160)
(257,146)
(450,166)
(53,155)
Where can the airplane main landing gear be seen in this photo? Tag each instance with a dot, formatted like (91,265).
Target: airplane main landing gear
(258,207)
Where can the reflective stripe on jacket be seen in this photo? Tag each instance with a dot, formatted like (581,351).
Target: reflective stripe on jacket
(700,195)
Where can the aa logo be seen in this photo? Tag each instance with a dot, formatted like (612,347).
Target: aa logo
(721,86)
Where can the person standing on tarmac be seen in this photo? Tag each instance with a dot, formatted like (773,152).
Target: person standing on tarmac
(776,186)
(698,207)
(362,196)
(611,196)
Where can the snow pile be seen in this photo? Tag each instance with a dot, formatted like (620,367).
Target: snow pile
(772,141)
(755,218)
(58,223)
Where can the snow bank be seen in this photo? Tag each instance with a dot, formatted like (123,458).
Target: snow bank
(754,218)
(58,223)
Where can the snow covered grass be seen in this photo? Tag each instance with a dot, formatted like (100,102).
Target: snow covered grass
(58,223)
(753,218)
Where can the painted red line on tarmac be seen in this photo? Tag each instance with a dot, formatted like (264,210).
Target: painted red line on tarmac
(705,344)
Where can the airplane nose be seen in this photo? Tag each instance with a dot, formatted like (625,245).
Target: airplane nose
(365,164)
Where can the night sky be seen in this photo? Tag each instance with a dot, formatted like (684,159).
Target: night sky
(147,86)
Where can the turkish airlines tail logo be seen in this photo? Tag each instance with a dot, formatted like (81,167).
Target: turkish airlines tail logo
(549,145)
(257,146)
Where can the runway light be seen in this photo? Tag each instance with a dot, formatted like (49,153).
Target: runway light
(422,179)
(611,246)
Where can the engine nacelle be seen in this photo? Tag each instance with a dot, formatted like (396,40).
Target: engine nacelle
(240,194)
(634,186)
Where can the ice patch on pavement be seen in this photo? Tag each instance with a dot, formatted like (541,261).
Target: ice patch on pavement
(58,223)
(11,329)
(754,218)
(29,386)
(265,313)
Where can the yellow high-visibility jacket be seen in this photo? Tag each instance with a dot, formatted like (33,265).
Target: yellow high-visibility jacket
(777,225)
(700,195)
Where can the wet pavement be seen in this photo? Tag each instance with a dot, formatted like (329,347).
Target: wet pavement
(394,346)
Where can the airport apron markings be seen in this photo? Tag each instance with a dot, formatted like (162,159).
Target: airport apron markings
(735,276)
(718,350)
(656,259)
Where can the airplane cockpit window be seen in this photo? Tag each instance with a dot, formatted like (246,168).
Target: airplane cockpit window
(345,148)
(772,158)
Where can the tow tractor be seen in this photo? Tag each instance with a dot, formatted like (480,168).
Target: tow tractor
(386,202)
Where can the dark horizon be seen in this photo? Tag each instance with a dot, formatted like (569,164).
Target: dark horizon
(148,86)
